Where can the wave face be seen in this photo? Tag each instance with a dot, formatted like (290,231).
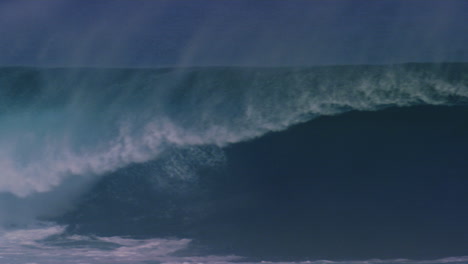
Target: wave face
(362,185)
(180,165)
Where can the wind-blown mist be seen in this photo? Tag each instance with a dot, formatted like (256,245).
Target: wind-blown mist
(179,33)
(63,123)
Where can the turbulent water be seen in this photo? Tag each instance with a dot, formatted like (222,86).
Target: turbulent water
(177,165)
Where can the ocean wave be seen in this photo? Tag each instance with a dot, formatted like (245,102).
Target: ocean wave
(61,123)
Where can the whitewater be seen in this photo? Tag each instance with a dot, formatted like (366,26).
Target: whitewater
(134,115)
(62,130)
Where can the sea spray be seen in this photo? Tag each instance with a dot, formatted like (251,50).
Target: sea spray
(61,123)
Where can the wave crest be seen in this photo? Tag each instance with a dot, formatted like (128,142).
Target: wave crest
(59,123)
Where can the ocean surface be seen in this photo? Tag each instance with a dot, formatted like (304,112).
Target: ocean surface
(333,164)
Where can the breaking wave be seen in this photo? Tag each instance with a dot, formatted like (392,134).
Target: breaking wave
(70,139)
(57,124)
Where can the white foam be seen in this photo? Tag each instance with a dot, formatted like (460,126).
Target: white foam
(46,243)
(49,244)
(29,236)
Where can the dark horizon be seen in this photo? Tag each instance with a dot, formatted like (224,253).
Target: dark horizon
(175,67)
